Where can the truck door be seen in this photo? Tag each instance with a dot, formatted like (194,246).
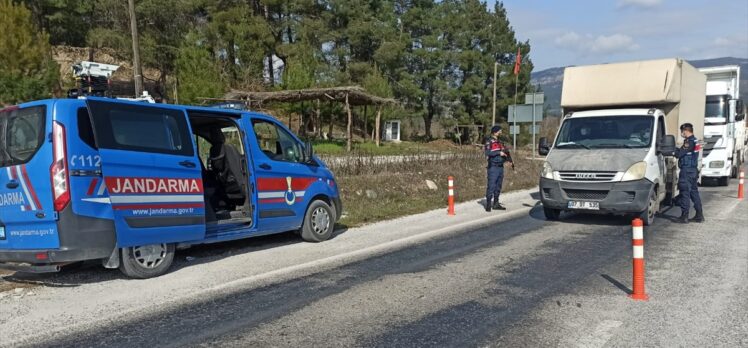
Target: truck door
(151,171)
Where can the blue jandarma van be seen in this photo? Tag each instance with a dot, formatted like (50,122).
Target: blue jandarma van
(128,182)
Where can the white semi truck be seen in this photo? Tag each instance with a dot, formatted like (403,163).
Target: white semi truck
(724,139)
(613,152)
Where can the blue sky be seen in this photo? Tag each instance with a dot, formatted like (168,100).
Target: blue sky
(576,32)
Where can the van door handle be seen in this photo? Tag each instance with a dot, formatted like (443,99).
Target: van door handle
(12,184)
(265,166)
(188,164)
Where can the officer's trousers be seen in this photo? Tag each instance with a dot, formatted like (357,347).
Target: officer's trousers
(689,190)
(493,187)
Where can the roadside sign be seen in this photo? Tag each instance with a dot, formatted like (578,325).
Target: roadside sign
(524,113)
(514,130)
(539,98)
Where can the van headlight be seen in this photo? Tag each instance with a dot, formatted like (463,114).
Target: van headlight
(635,172)
(547,171)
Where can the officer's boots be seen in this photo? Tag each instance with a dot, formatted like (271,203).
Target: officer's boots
(683,218)
(498,206)
(488,206)
(699,216)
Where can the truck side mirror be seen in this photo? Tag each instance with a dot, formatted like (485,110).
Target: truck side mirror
(667,146)
(543,146)
(739,110)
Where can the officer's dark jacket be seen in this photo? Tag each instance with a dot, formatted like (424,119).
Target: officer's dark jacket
(492,149)
(688,154)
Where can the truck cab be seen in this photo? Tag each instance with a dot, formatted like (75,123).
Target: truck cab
(128,182)
(614,161)
(724,124)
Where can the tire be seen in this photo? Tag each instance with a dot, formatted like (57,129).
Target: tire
(146,261)
(723,181)
(551,214)
(319,222)
(648,215)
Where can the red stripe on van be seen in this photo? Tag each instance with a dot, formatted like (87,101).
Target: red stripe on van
(281,184)
(92,187)
(30,187)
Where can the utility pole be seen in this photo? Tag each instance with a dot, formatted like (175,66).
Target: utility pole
(137,71)
(495,68)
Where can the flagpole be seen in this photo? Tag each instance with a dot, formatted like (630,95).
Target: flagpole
(514,111)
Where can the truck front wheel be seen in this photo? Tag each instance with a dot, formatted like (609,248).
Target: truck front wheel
(648,215)
(551,214)
(147,261)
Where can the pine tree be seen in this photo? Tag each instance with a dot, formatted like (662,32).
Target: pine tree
(27,70)
(197,74)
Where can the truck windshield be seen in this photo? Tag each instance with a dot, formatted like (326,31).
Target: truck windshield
(606,132)
(21,134)
(716,106)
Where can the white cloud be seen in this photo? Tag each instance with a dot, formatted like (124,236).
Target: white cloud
(639,3)
(596,44)
(613,43)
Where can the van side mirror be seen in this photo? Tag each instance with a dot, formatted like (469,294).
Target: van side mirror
(543,146)
(308,152)
(667,146)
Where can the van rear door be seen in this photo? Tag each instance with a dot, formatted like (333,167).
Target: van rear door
(151,171)
(27,215)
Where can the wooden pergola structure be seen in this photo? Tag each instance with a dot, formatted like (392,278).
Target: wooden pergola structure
(349,95)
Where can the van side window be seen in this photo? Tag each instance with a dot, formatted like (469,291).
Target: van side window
(276,142)
(85,131)
(144,129)
(23,134)
(661,129)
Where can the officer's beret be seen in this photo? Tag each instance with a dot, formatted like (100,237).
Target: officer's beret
(495,129)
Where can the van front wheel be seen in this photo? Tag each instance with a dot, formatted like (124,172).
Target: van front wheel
(319,222)
(147,261)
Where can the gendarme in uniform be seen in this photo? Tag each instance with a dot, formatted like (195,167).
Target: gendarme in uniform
(688,162)
(495,156)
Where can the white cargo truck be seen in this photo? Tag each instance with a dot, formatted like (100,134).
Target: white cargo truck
(613,151)
(724,124)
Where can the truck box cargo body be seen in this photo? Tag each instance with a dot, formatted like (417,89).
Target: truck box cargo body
(724,124)
(612,153)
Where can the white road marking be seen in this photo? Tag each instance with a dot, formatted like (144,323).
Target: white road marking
(600,336)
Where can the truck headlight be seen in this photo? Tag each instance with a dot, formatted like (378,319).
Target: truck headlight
(717,164)
(547,171)
(635,172)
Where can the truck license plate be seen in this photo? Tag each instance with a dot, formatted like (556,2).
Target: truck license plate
(584,205)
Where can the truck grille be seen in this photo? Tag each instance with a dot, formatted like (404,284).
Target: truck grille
(595,195)
(587,176)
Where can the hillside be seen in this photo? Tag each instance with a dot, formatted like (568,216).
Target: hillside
(550,80)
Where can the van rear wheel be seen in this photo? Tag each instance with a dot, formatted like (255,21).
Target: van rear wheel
(147,261)
(319,222)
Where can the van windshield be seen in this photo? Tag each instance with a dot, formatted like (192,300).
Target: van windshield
(606,132)
(21,134)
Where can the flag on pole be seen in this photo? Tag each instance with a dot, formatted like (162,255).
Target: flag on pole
(517,62)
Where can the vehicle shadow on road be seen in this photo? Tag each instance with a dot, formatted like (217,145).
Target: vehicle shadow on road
(92,272)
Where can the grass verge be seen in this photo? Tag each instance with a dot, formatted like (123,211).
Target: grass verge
(390,190)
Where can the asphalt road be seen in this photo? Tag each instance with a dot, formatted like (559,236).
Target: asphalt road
(522,282)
